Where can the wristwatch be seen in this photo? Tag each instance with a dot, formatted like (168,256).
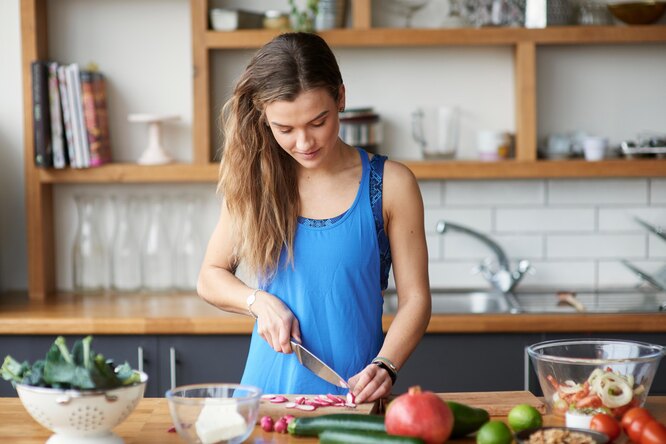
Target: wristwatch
(250,300)
(388,366)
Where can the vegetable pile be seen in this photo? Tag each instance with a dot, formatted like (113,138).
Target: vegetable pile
(81,369)
(604,391)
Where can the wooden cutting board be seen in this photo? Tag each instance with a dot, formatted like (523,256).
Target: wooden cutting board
(496,403)
(276,411)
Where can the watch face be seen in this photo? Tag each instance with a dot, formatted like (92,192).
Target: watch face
(250,299)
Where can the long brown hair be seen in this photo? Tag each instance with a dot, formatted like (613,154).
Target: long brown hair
(257,177)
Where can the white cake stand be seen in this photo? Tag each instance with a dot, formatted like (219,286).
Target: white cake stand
(155,154)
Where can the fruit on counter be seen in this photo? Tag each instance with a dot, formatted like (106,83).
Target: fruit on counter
(653,433)
(606,424)
(635,430)
(631,415)
(266,423)
(81,369)
(314,425)
(420,414)
(280,425)
(361,437)
(494,432)
(642,427)
(466,419)
(523,417)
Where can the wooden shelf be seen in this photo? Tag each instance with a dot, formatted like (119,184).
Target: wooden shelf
(393,37)
(458,170)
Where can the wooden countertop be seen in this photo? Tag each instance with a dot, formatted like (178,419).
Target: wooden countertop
(150,422)
(181,313)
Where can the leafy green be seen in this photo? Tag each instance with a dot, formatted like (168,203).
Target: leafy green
(81,369)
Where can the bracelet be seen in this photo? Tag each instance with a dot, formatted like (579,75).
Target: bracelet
(387,362)
(250,300)
(390,369)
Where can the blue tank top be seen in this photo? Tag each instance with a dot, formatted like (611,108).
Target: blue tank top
(334,290)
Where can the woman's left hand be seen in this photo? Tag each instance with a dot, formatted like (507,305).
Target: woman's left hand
(372,383)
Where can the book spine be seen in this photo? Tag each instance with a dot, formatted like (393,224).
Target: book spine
(90,119)
(66,115)
(57,136)
(41,118)
(78,113)
(76,134)
(99,92)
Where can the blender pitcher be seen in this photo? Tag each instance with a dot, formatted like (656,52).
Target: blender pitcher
(436,130)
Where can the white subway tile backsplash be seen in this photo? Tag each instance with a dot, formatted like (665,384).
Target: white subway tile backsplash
(658,191)
(594,246)
(614,274)
(521,246)
(656,247)
(622,219)
(460,246)
(565,274)
(431,192)
(598,191)
(478,219)
(534,220)
(434,243)
(493,193)
(455,275)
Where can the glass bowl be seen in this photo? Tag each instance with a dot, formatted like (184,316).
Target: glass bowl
(595,374)
(214,413)
(637,12)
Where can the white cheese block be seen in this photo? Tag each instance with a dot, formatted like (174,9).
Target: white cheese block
(219,421)
(578,420)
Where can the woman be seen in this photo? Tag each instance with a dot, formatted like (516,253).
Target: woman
(318,222)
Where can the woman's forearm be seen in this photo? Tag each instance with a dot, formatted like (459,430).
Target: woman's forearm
(221,288)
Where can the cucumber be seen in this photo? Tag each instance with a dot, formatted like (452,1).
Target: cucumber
(314,425)
(359,437)
(466,419)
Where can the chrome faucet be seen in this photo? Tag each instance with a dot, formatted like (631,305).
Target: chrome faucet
(500,277)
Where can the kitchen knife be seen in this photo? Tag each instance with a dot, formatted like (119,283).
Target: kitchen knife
(317,366)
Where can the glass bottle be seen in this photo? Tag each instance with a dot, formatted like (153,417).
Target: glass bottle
(88,251)
(189,246)
(156,252)
(126,252)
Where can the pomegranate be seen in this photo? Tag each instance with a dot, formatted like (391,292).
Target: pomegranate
(420,414)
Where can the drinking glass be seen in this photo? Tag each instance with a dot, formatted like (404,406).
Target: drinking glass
(88,250)
(409,8)
(189,248)
(156,251)
(126,252)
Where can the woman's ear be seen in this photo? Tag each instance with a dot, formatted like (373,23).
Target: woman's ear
(341,98)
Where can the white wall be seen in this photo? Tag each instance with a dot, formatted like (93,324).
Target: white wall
(144,48)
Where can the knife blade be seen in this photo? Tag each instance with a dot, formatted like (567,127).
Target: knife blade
(317,366)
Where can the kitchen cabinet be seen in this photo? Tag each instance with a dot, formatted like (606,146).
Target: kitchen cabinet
(524,42)
(167,360)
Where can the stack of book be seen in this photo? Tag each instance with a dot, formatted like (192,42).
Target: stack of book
(71,125)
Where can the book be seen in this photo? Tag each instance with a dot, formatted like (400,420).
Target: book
(99,92)
(43,151)
(66,116)
(91,118)
(78,124)
(57,127)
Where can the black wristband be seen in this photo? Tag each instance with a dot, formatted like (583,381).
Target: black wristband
(393,375)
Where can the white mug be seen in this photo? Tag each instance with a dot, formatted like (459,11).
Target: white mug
(594,147)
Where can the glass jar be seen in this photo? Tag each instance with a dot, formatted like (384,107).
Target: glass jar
(189,248)
(125,251)
(88,251)
(156,251)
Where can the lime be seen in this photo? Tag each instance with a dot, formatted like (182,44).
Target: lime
(523,417)
(494,432)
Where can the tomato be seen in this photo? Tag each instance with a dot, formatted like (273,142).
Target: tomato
(635,429)
(632,414)
(653,433)
(607,425)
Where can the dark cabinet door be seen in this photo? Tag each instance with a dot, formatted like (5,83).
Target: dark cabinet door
(467,362)
(119,348)
(201,359)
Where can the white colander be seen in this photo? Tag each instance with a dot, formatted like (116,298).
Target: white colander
(81,417)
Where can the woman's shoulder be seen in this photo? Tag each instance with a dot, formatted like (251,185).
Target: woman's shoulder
(397,173)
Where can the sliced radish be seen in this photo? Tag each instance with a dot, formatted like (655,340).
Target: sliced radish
(267,396)
(335,399)
(279,399)
(290,405)
(305,407)
(351,399)
(351,405)
(300,400)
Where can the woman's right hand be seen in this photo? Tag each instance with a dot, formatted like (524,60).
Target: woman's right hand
(275,322)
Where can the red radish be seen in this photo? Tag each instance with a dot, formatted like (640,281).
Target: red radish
(305,407)
(335,399)
(300,400)
(266,423)
(267,396)
(279,399)
(280,426)
(288,418)
(420,414)
(290,405)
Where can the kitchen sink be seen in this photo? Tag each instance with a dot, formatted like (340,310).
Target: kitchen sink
(464,301)
(461,301)
(601,301)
